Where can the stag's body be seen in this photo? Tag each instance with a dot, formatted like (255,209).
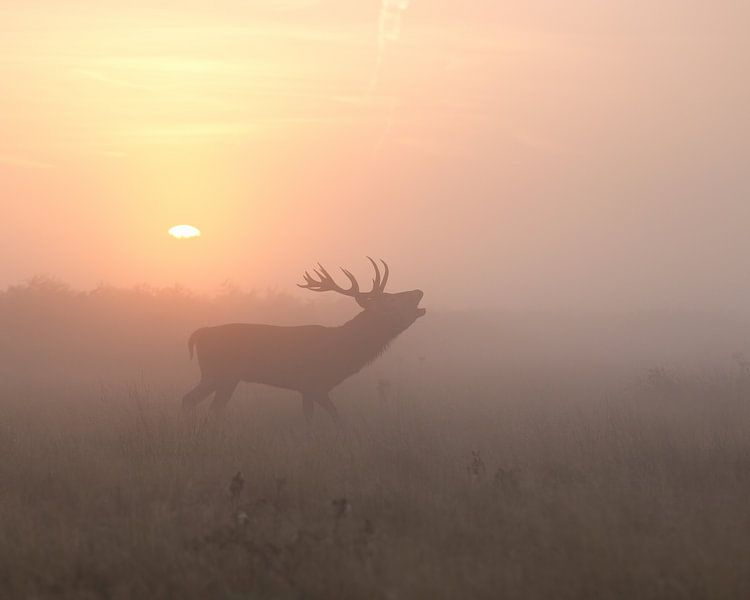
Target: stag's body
(310,359)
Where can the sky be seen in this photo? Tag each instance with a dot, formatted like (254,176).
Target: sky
(547,155)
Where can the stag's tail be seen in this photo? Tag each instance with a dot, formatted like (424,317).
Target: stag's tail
(191,343)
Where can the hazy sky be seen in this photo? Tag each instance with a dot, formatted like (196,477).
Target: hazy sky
(545,154)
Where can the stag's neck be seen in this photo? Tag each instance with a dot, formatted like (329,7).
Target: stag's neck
(366,337)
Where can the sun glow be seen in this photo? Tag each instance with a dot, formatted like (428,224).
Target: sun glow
(183,232)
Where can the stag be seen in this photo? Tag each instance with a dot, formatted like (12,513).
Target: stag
(309,359)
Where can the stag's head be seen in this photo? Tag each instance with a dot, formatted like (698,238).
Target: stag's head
(401,308)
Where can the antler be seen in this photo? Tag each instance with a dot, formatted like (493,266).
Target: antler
(326,283)
(378,286)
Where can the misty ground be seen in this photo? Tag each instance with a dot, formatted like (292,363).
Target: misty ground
(479,460)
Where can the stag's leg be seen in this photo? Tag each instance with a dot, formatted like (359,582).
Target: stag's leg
(224,391)
(308,405)
(198,394)
(326,403)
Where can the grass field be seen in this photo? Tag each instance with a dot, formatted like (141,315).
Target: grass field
(483,456)
(450,490)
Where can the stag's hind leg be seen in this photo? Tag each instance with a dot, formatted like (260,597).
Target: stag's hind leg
(224,391)
(198,394)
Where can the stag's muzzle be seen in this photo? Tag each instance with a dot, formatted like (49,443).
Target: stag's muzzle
(418,295)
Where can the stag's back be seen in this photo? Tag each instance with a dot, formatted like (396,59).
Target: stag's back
(282,356)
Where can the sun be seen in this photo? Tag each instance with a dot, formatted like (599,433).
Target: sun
(184,232)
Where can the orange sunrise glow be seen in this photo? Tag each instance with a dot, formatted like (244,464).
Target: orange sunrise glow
(298,130)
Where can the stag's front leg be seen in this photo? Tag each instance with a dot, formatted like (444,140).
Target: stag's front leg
(308,406)
(329,407)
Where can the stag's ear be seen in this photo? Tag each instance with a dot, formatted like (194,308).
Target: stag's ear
(366,303)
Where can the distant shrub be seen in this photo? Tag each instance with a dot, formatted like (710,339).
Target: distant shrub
(49,327)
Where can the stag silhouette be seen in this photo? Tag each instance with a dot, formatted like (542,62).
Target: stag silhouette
(310,359)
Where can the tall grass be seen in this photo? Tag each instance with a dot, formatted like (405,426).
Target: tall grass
(636,495)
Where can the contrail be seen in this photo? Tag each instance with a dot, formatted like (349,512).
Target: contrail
(389,29)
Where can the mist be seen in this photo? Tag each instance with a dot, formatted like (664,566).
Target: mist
(537,387)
